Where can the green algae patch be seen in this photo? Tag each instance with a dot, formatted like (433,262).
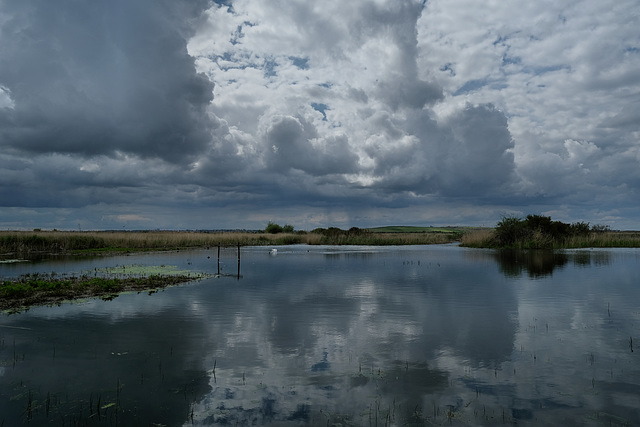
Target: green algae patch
(146,270)
(49,289)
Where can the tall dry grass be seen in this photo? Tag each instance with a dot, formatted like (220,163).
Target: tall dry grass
(611,239)
(32,242)
(477,238)
(69,241)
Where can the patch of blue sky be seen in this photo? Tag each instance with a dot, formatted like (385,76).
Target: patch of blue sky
(507,60)
(301,63)
(269,67)
(322,108)
(470,86)
(498,85)
(542,70)
(237,35)
(449,68)
(223,2)
(228,61)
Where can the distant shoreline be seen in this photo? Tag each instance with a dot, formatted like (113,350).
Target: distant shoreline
(29,244)
(37,244)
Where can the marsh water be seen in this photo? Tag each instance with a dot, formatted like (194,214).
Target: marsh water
(318,335)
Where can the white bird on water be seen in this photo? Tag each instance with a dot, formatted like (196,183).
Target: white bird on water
(274,251)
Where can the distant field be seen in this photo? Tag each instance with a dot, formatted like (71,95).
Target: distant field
(413,229)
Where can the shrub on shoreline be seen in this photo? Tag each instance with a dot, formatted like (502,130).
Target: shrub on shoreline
(536,231)
(540,232)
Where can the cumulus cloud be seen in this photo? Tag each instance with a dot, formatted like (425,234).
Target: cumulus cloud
(5,98)
(101,78)
(351,112)
(294,143)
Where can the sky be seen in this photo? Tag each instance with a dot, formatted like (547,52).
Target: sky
(228,114)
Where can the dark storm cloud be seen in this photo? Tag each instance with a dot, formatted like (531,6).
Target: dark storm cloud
(102,77)
(345,112)
(478,158)
(66,180)
(467,155)
(415,94)
(294,143)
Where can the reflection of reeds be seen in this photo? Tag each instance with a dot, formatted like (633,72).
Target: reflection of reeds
(29,402)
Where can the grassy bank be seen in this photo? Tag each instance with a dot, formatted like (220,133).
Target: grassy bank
(32,243)
(610,239)
(48,289)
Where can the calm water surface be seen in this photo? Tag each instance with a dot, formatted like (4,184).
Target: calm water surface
(312,335)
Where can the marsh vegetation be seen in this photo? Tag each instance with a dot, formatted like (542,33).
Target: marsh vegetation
(52,288)
(541,232)
(33,243)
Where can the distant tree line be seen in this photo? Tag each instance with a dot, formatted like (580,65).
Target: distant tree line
(535,230)
(274,228)
(335,231)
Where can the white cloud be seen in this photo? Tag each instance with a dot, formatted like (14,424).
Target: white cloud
(506,105)
(5,98)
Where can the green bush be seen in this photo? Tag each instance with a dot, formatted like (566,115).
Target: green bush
(580,229)
(539,223)
(510,230)
(536,231)
(600,228)
(287,228)
(273,228)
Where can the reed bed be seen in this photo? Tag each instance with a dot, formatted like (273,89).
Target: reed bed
(65,242)
(477,238)
(384,239)
(29,243)
(611,239)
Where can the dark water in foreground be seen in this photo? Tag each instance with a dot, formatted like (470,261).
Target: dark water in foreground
(416,335)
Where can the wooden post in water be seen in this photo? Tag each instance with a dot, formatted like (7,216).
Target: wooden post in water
(218,260)
(238,260)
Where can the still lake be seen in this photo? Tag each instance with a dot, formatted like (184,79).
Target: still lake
(320,335)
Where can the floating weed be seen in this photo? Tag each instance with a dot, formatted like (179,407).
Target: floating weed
(139,270)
